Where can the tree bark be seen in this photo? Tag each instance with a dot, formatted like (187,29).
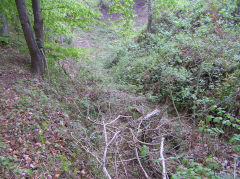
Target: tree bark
(38,23)
(238,7)
(150,17)
(37,63)
(4,27)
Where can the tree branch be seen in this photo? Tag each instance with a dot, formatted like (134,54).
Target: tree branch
(163,160)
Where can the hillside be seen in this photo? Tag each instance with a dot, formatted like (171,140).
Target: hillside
(118,101)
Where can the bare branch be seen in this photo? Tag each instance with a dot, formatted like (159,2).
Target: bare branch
(174,105)
(137,140)
(145,173)
(106,147)
(86,149)
(115,135)
(149,115)
(163,160)
(117,119)
(123,166)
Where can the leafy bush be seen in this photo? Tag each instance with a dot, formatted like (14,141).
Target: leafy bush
(194,170)
(191,58)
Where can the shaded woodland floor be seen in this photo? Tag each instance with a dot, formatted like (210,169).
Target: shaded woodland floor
(32,136)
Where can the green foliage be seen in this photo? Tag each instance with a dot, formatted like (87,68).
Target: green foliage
(165,3)
(9,164)
(2,144)
(236,141)
(182,54)
(65,163)
(191,169)
(8,7)
(60,52)
(193,54)
(223,123)
(144,150)
(62,16)
(124,25)
(5,40)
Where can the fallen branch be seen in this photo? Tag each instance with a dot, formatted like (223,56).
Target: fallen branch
(135,139)
(118,118)
(163,160)
(146,117)
(235,168)
(145,173)
(175,108)
(106,147)
(138,159)
(149,115)
(86,149)
(123,166)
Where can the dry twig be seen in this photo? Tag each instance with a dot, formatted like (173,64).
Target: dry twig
(107,145)
(163,160)
(86,149)
(138,159)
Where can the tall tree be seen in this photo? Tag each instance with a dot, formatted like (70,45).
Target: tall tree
(37,62)
(3,24)
(150,16)
(38,23)
(238,8)
(38,27)
(3,27)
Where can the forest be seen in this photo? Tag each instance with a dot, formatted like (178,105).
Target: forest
(120,89)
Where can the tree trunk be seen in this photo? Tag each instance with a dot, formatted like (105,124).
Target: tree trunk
(238,7)
(150,17)
(36,56)
(3,24)
(38,23)
(4,27)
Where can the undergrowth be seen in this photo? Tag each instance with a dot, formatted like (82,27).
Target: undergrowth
(191,59)
(190,62)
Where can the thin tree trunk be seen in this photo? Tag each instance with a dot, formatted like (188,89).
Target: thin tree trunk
(38,28)
(38,23)
(150,16)
(36,57)
(238,7)
(3,24)
(4,27)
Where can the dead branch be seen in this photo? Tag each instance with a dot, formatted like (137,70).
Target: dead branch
(163,160)
(145,173)
(119,116)
(105,151)
(149,115)
(135,139)
(106,146)
(120,157)
(136,152)
(86,149)
(175,108)
(235,167)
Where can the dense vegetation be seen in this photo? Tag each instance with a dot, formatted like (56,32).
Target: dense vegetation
(191,58)
(133,89)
